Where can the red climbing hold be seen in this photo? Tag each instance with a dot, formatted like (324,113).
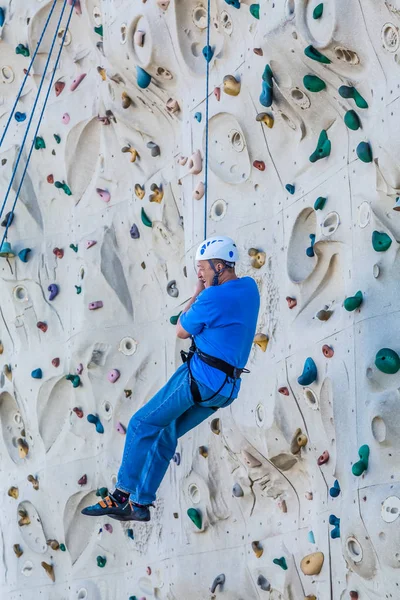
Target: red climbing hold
(42,326)
(58,252)
(58,87)
(83,480)
(354,595)
(258,51)
(55,362)
(323,458)
(50,179)
(292,302)
(217,93)
(284,391)
(78,412)
(259,164)
(327,351)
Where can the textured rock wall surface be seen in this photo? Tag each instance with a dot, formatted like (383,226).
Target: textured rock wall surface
(133,160)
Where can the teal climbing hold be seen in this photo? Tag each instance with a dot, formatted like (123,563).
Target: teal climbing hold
(364,152)
(318,10)
(99,30)
(74,247)
(347,91)
(63,186)
(312,83)
(323,148)
(319,203)
(195,516)
(362,465)
(311,537)
(39,143)
(6,251)
(255,10)
(266,95)
(74,379)
(101,561)
(174,320)
(234,3)
(23,254)
(208,53)
(62,547)
(2,16)
(290,188)
(387,361)
(352,120)
(313,53)
(381,241)
(143,78)
(37,374)
(197,116)
(102,492)
(353,302)
(281,562)
(96,421)
(132,597)
(23,50)
(78,289)
(310,249)
(145,219)
(130,535)
(309,374)
(57,138)
(335,533)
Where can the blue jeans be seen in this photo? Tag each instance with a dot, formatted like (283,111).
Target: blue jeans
(153,432)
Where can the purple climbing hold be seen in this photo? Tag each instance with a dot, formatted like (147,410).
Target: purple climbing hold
(53,289)
(134,231)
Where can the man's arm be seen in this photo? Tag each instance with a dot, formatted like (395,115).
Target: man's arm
(180,331)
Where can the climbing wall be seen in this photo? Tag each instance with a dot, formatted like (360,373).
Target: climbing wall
(293,491)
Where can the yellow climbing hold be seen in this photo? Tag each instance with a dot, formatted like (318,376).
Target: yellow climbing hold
(13,492)
(134,153)
(231,85)
(265,118)
(158,193)
(49,570)
(261,340)
(23,448)
(298,441)
(257,549)
(258,258)
(312,563)
(139,191)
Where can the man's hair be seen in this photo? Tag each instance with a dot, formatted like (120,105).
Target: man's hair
(228,265)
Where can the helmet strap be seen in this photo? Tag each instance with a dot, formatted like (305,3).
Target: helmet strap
(217,274)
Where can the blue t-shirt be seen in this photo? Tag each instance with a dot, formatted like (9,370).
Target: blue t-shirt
(223,321)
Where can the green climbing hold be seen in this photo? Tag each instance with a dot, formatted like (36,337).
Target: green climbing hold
(39,143)
(387,361)
(21,49)
(347,91)
(364,152)
(101,561)
(318,10)
(352,120)
(145,219)
(362,465)
(255,10)
(174,320)
(63,186)
(281,562)
(195,516)
(353,302)
(313,53)
(319,203)
(103,492)
(78,289)
(312,83)
(323,148)
(74,247)
(62,547)
(381,241)
(99,30)
(57,138)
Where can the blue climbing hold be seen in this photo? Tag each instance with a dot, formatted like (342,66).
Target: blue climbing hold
(197,116)
(37,374)
(23,254)
(290,188)
(310,249)
(208,53)
(20,117)
(234,3)
(6,251)
(96,421)
(335,490)
(2,16)
(130,534)
(335,533)
(266,96)
(311,537)
(309,374)
(142,77)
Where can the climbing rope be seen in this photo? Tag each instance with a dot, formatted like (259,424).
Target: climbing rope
(40,118)
(27,73)
(207,131)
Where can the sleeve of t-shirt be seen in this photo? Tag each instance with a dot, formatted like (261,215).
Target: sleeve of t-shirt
(198,315)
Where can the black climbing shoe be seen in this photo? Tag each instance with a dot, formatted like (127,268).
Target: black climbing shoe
(108,506)
(137,513)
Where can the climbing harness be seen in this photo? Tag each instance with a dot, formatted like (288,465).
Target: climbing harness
(206,127)
(40,117)
(229,370)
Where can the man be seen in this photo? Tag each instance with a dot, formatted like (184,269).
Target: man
(221,318)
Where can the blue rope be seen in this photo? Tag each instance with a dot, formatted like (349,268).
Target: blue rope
(32,115)
(27,73)
(206,149)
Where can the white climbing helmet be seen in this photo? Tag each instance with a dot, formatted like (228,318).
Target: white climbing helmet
(218,247)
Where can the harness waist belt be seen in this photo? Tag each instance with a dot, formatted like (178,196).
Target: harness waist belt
(220,364)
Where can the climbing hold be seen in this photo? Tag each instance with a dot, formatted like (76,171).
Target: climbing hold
(259,164)
(396,207)
(237,490)
(353,302)
(108,527)
(53,289)
(324,314)
(308,495)
(34,481)
(261,339)
(352,120)
(318,10)
(79,369)
(319,203)
(292,302)
(42,326)
(347,91)
(77,81)
(99,30)
(219,580)
(298,441)
(66,118)
(121,428)
(102,72)
(145,219)
(78,289)
(174,320)
(323,148)
(387,361)
(258,51)
(284,391)
(195,516)
(362,465)
(57,138)
(6,250)
(139,191)
(95,305)
(90,244)
(312,83)
(199,191)
(23,449)
(82,480)
(335,490)
(231,85)
(327,351)
(104,194)
(266,96)
(142,77)
(323,458)
(310,249)
(335,533)
(102,492)
(283,506)
(255,10)
(290,188)
(18,550)
(101,561)
(134,232)
(58,87)
(49,570)
(258,258)
(312,563)
(265,118)
(217,93)
(50,179)
(113,375)
(281,562)
(24,254)
(96,421)
(215,426)
(314,54)
(309,374)
(13,492)
(74,379)
(131,536)
(37,374)
(154,149)
(20,117)
(364,152)
(257,549)
(250,460)
(8,219)
(2,16)
(263,583)
(55,362)
(163,4)
(7,372)
(203,451)
(234,3)
(54,545)
(354,595)
(134,153)
(63,186)
(208,53)
(172,106)
(381,241)
(177,458)
(311,537)
(172,290)
(23,50)
(197,116)
(138,38)
(39,143)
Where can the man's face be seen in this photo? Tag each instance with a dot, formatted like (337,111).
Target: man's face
(206,273)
